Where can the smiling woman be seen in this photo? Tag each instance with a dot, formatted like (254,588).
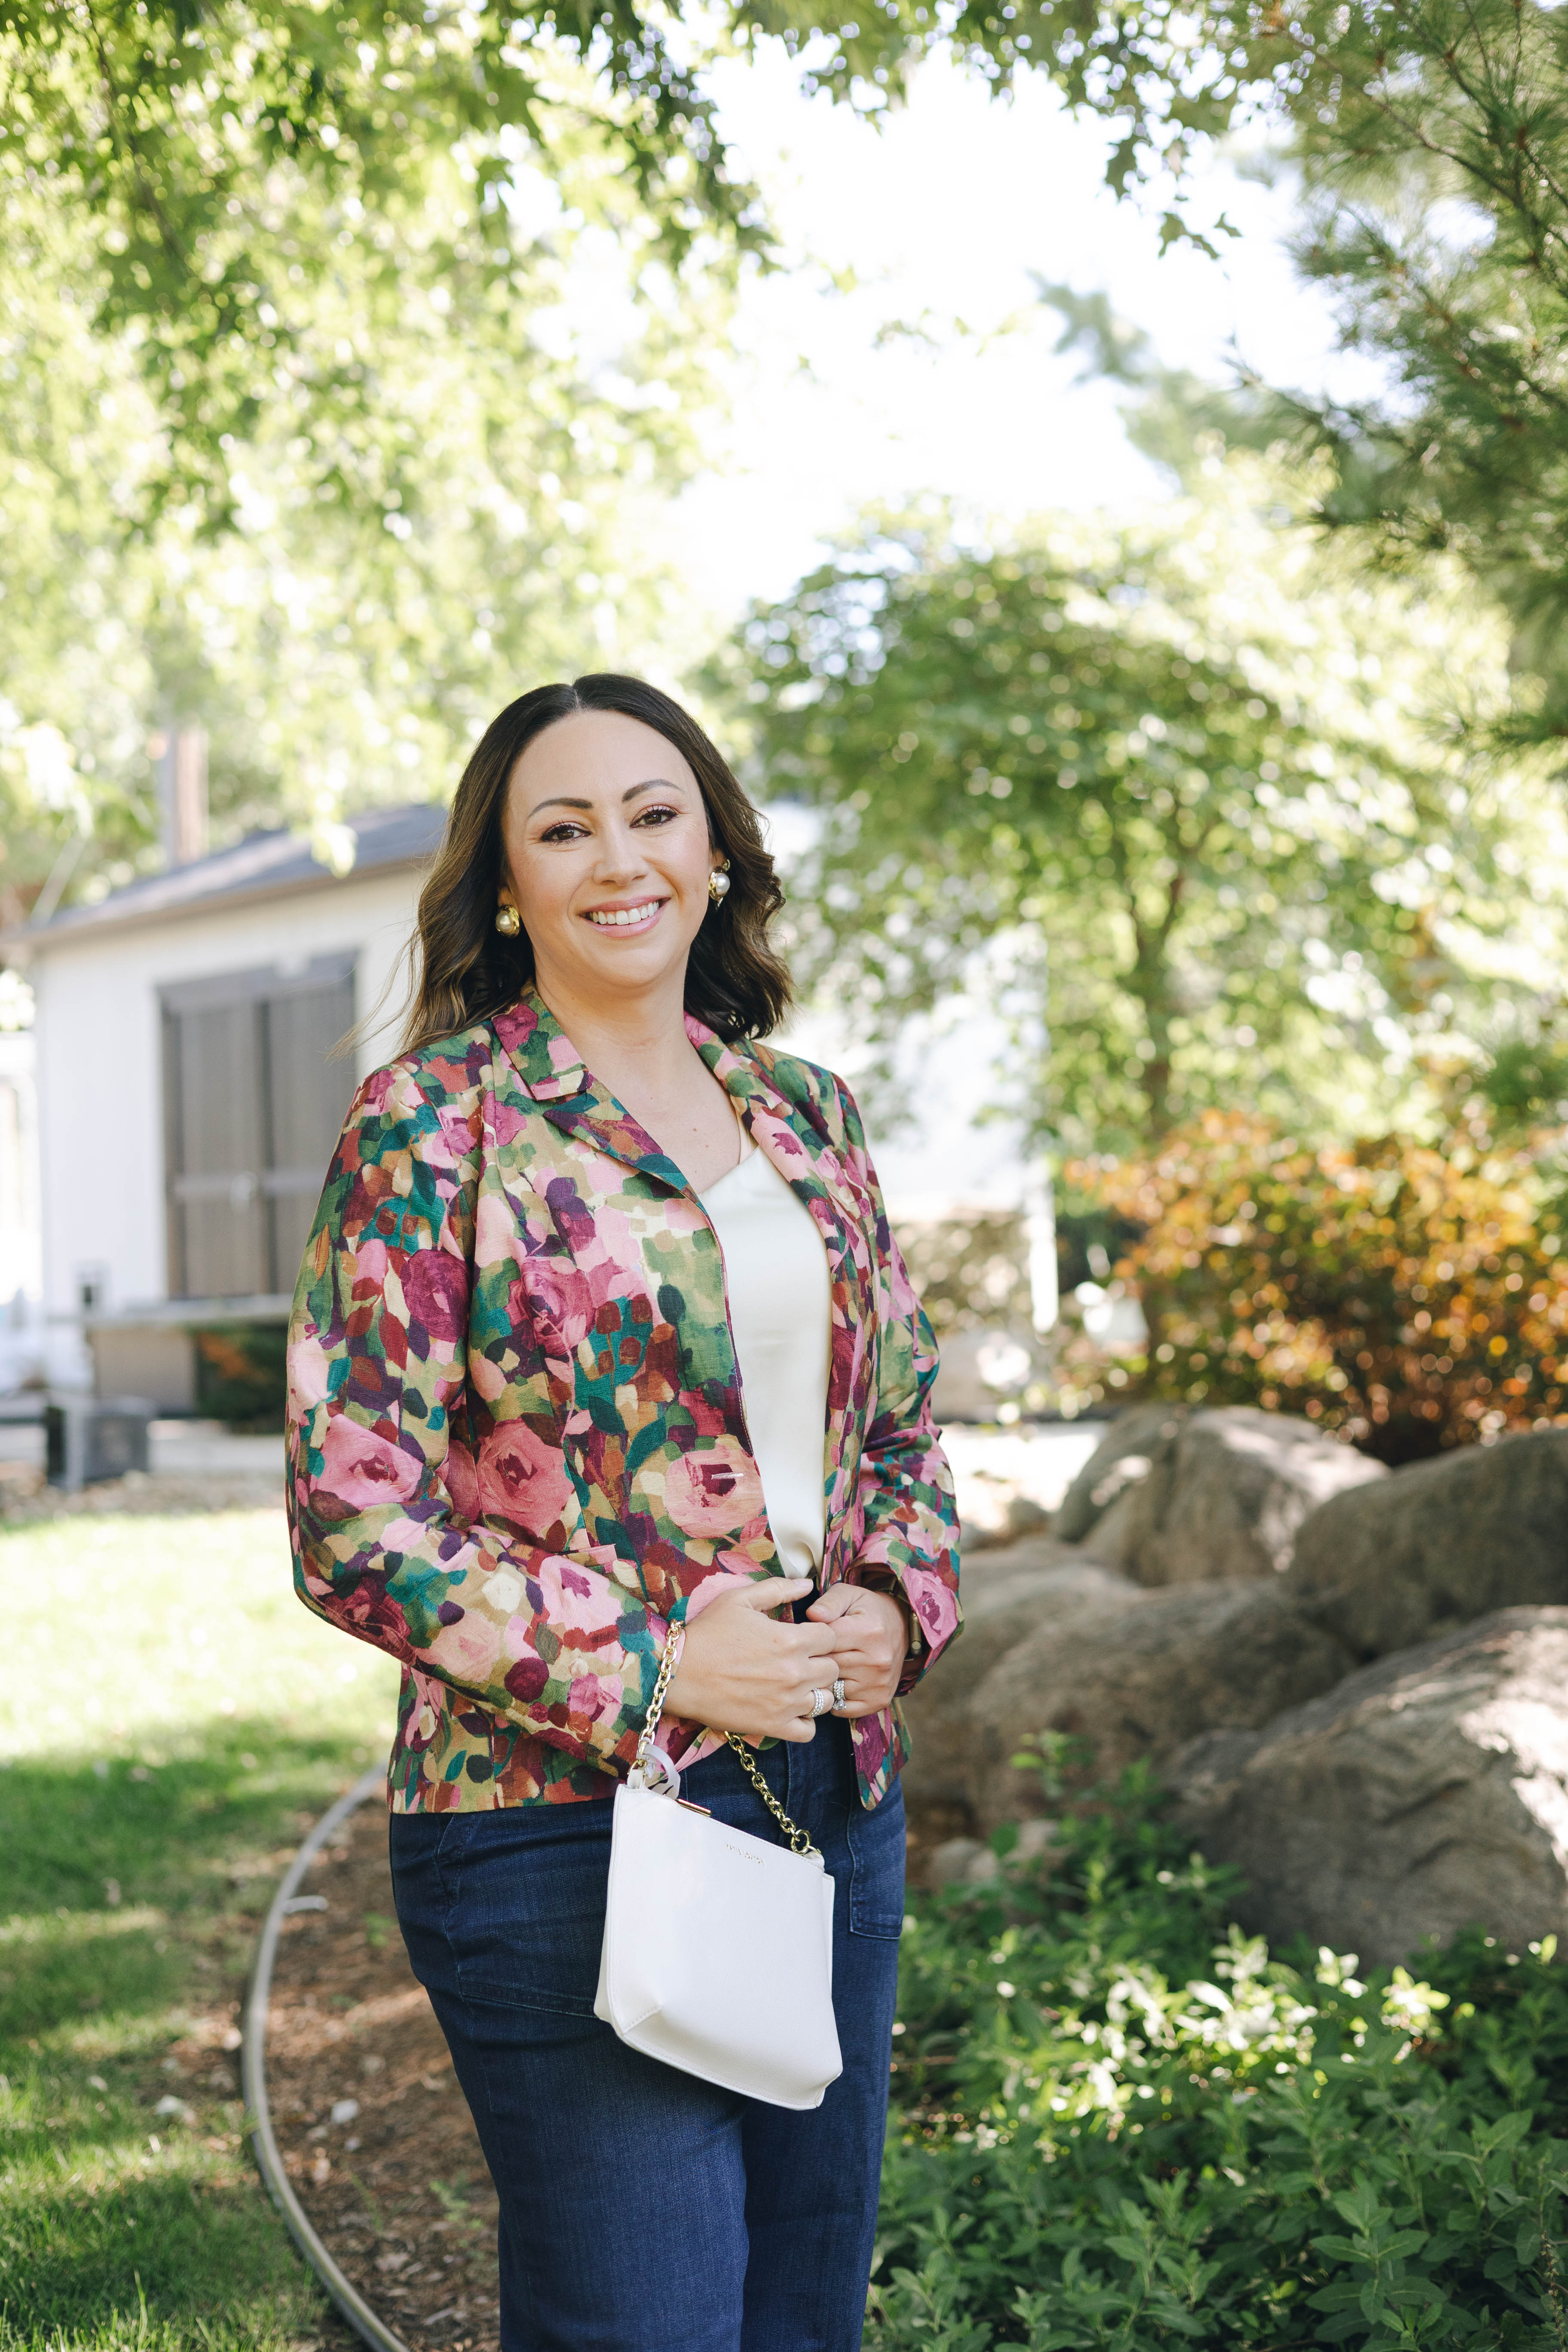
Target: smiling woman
(470,967)
(609,1394)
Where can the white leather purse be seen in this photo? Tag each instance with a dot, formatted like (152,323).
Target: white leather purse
(718,1951)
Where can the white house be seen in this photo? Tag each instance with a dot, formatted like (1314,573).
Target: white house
(188,1098)
(20,1243)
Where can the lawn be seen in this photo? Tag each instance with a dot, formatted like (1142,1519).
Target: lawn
(173,1722)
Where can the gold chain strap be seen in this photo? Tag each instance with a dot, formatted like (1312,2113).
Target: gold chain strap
(799,1840)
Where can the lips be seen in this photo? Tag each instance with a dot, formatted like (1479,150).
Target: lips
(636,917)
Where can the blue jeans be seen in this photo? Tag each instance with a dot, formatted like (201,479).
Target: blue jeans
(642,2211)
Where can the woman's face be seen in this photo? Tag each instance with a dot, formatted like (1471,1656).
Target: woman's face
(607,856)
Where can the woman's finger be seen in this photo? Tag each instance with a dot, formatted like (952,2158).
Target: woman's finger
(838,1602)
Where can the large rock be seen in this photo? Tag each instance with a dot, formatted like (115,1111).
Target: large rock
(1133,1674)
(1008,1595)
(1427,1793)
(1137,1444)
(1204,1496)
(1440,1544)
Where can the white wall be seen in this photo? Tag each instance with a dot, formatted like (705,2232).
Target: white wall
(101,1106)
(21,1257)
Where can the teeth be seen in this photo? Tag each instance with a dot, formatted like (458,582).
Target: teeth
(622,916)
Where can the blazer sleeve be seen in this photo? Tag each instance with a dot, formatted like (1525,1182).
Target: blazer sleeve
(383,1503)
(911,1541)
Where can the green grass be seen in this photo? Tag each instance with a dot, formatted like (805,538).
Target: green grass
(173,1722)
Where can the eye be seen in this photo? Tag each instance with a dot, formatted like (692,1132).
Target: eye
(657,814)
(564,830)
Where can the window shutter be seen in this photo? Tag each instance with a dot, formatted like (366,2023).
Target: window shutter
(212,1065)
(306,1094)
(252,1112)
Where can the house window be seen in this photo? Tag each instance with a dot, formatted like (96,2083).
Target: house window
(252,1108)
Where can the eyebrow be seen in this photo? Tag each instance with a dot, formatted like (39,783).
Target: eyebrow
(652,784)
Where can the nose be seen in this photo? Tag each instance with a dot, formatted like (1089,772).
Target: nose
(620,853)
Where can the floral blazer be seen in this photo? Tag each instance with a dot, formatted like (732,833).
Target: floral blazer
(517,1443)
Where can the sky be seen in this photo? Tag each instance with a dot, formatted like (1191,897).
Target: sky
(946,217)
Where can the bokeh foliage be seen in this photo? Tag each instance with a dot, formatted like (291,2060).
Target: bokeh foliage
(1222,786)
(441,500)
(1413,1297)
(220,161)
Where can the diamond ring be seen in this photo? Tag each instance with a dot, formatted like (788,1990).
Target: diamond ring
(821,1700)
(837,1692)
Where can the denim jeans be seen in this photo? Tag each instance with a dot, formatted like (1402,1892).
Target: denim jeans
(642,2211)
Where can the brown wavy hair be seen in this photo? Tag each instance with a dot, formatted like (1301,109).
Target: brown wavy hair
(465,969)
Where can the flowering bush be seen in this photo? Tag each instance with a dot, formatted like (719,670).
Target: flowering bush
(1407,1297)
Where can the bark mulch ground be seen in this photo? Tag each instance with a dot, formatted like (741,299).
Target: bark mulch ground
(398,2189)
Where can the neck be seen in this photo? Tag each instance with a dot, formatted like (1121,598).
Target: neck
(637,1042)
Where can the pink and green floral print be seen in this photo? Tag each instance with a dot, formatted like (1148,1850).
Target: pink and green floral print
(516,1444)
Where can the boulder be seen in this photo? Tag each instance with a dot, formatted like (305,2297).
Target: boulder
(1007,1596)
(967,1862)
(1205,1497)
(1138,1443)
(1440,1544)
(1133,1674)
(1427,1793)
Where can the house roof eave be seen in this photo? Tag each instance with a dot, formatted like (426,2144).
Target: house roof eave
(263,866)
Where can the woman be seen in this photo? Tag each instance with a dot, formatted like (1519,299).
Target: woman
(580,1364)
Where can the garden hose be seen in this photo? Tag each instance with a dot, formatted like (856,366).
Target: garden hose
(253,2074)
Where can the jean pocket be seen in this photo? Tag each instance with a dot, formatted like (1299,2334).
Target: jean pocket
(525,1906)
(877,1866)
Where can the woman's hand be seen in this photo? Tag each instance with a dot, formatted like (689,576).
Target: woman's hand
(741,1671)
(870,1640)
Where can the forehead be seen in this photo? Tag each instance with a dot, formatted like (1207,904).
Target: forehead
(596,755)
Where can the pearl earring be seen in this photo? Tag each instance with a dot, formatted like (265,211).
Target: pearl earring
(719,882)
(509,922)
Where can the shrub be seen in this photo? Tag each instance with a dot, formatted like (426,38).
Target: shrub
(1405,1296)
(242,1374)
(1118,2123)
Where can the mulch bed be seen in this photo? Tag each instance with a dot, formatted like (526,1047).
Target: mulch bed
(398,2191)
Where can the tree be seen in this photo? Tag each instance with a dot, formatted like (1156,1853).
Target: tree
(1176,758)
(400,557)
(1432,134)
(221,161)
(1431,137)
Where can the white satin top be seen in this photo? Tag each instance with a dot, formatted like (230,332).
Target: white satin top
(776,1270)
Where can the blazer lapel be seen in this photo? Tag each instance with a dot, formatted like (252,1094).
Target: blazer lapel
(551,1072)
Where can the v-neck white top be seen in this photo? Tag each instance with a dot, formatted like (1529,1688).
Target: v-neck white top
(776,1270)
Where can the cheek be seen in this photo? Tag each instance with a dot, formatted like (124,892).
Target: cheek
(687,863)
(542,886)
